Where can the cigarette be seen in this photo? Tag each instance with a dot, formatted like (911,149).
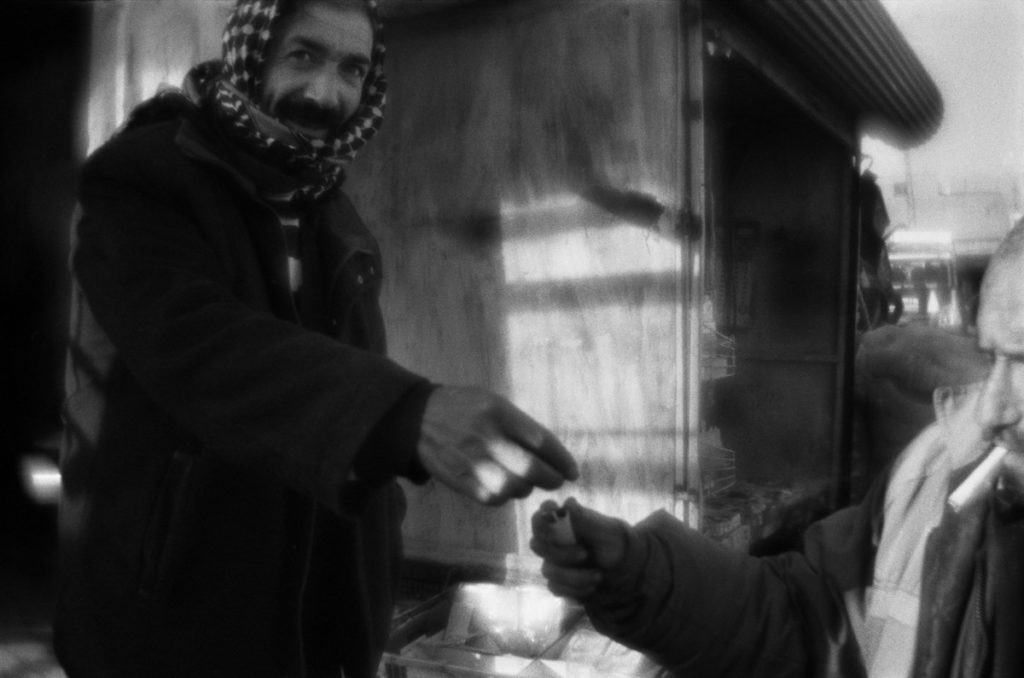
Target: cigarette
(561,527)
(979,480)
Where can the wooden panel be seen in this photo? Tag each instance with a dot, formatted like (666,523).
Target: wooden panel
(525,188)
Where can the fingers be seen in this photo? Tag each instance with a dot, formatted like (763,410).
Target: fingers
(563,555)
(523,464)
(565,562)
(570,582)
(590,525)
(546,505)
(475,475)
(482,446)
(539,520)
(490,484)
(551,455)
(604,537)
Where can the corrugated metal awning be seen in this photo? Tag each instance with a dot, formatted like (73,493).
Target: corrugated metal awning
(850,49)
(853,50)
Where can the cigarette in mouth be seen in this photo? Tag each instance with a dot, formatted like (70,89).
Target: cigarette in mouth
(979,480)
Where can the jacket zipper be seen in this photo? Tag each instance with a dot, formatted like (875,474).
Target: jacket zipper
(199,153)
(307,555)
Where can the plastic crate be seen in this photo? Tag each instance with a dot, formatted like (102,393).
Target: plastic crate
(505,631)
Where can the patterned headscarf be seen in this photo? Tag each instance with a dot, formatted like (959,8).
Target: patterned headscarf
(231,88)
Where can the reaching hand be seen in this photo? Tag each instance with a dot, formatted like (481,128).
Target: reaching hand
(482,446)
(575,568)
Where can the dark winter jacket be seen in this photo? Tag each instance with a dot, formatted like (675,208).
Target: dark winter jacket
(229,505)
(897,586)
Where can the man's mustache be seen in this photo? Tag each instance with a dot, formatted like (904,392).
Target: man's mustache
(308,114)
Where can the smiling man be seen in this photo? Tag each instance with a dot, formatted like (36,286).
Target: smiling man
(233,427)
(316,69)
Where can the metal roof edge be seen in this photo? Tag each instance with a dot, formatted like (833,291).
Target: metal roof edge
(854,51)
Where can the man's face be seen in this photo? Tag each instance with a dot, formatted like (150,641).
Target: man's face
(314,74)
(1000,410)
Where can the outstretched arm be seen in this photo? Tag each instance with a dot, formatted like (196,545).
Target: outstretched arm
(697,607)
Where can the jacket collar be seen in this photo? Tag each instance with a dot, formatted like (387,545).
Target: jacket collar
(345,232)
(255,178)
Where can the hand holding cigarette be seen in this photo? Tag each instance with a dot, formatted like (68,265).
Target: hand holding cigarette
(577,544)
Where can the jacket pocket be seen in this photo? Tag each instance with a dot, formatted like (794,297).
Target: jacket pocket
(165,521)
(354,313)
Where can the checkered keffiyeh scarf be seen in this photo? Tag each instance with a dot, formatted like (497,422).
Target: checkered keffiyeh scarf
(231,86)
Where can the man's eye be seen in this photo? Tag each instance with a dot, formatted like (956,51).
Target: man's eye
(301,56)
(358,71)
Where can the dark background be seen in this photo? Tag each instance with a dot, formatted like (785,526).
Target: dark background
(44,61)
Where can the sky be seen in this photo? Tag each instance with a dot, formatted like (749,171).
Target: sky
(974,51)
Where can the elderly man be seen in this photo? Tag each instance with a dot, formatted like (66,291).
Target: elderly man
(901,585)
(233,428)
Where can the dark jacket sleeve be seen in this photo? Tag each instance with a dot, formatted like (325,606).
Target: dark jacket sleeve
(701,609)
(161,274)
